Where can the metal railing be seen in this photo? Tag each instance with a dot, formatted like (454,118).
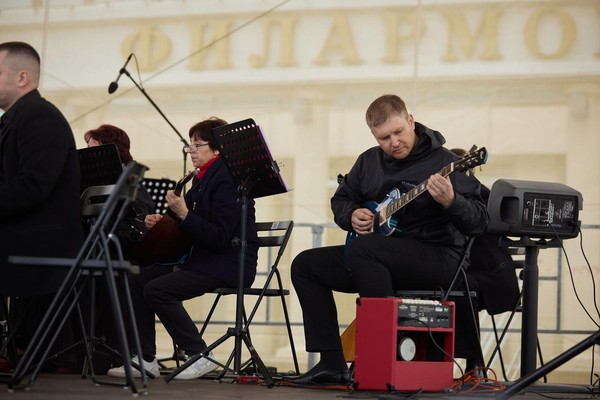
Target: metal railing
(318,231)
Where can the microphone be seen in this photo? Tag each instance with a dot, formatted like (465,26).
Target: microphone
(114,85)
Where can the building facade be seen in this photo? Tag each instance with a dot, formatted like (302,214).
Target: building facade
(521,78)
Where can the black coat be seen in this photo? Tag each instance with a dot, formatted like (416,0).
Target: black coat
(39,193)
(374,174)
(495,271)
(215,225)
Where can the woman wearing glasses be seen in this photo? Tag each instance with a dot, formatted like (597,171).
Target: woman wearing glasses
(210,215)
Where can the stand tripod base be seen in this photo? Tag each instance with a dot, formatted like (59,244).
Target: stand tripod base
(239,337)
(262,369)
(540,387)
(556,362)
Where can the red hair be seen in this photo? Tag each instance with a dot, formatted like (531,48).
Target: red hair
(111,134)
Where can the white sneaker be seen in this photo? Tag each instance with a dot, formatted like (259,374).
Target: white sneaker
(151,367)
(200,368)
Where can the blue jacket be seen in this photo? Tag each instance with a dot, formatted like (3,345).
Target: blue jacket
(214,223)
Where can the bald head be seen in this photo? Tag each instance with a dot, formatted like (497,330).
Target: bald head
(19,72)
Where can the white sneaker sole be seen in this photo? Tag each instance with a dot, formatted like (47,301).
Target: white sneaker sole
(120,373)
(186,376)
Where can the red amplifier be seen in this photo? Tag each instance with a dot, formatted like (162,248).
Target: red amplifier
(395,348)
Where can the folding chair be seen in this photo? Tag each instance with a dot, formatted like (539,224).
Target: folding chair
(453,293)
(93,259)
(271,235)
(518,254)
(7,347)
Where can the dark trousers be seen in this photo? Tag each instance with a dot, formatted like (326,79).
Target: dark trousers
(28,313)
(372,266)
(161,291)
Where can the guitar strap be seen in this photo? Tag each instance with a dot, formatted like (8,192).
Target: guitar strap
(349,237)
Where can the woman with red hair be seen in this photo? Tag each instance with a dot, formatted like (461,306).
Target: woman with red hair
(129,231)
(105,134)
(132,228)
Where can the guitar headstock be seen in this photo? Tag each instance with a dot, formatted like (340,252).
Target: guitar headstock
(471,159)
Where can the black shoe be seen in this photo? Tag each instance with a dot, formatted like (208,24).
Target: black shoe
(319,376)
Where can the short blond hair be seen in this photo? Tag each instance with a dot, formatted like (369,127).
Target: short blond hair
(382,108)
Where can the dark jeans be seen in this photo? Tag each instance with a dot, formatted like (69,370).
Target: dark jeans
(158,290)
(373,266)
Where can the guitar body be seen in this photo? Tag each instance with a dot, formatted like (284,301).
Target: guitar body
(165,242)
(387,226)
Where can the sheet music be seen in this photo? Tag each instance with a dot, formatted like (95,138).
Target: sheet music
(99,165)
(243,146)
(275,165)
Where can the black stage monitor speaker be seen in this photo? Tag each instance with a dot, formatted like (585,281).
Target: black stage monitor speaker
(535,209)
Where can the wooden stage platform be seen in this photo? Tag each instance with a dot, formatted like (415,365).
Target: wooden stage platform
(73,387)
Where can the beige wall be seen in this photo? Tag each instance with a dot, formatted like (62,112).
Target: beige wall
(519,77)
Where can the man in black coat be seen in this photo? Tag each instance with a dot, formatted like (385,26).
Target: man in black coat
(39,177)
(39,172)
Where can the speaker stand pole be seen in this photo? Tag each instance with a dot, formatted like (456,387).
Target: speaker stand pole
(529,316)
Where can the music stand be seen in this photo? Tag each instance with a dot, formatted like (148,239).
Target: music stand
(100,168)
(79,270)
(99,165)
(157,189)
(244,149)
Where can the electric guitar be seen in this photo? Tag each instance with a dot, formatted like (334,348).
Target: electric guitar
(384,220)
(165,241)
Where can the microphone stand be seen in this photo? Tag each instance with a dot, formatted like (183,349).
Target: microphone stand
(181,138)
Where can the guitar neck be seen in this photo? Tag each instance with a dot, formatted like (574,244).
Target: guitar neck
(412,194)
(180,185)
(179,188)
(393,203)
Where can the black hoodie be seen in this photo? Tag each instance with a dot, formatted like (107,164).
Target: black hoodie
(375,174)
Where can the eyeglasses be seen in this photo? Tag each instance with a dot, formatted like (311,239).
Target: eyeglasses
(193,146)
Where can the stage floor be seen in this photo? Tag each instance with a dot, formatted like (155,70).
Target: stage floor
(73,387)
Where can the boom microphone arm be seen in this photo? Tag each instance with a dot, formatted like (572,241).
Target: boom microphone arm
(141,89)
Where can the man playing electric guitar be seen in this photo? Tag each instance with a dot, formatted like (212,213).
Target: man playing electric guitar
(420,249)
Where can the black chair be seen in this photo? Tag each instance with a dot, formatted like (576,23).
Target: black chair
(8,349)
(91,202)
(518,255)
(271,235)
(100,255)
(455,291)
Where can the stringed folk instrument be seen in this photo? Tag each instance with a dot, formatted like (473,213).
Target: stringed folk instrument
(165,242)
